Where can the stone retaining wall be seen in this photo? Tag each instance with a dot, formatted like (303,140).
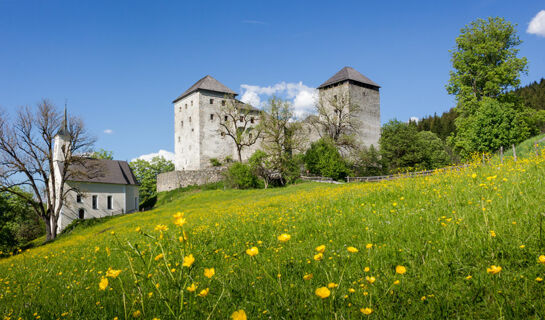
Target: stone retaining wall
(178,179)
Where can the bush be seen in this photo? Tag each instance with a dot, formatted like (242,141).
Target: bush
(324,159)
(215,162)
(240,176)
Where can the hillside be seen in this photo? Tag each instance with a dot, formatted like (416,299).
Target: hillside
(446,230)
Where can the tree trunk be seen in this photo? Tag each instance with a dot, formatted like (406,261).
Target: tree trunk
(48,234)
(53,223)
(239,150)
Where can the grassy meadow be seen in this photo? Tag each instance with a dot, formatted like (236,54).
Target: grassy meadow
(457,244)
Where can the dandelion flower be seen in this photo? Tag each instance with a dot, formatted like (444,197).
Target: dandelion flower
(103,284)
(493,269)
(322,292)
(136,314)
(469,277)
(369,246)
(332,285)
(161,227)
(239,315)
(318,256)
(209,272)
(541,259)
(159,256)
(366,269)
(112,273)
(284,237)
(396,282)
(401,269)
(188,261)
(308,276)
(204,292)
(366,311)
(371,280)
(320,249)
(539,279)
(191,288)
(253,251)
(352,249)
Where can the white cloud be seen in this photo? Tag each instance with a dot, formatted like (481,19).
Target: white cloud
(108,131)
(415,119)
(302,97)
(162,153)
(537,25)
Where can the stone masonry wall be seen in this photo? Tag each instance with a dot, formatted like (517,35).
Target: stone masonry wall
(178,179)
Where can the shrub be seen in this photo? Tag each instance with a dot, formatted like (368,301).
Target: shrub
(240,176)
(215,162)
(324,159)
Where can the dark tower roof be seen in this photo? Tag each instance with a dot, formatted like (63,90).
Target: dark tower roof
(63,131)
(349,74)
(207,83)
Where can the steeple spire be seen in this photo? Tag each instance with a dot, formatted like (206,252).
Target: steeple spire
(63,131)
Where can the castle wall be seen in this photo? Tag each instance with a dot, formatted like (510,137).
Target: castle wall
(187,134)
(178,179)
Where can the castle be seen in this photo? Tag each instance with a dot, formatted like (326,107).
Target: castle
(198,135)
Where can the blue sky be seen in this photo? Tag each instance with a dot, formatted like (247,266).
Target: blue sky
(121,63)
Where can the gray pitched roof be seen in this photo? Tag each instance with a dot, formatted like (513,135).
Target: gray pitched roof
(207,83)
(102,171)
(348,73)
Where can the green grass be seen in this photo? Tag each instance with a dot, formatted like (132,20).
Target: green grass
(442,228)
(526,148)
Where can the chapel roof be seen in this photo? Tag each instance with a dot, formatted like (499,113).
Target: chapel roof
(348,74)
(207,83)
(102,171)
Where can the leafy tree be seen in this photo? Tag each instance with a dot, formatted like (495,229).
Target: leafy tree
(281,137)
(262,167)
(323,158)
(368,162)
(146,172)
(103,154)
(240,176)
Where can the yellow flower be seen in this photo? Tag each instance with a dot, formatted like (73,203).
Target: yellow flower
(209,273)
(112,273)
(366,269)
(322,292)
(401,269)
(159,256)
(191,288)
(138,229)
(332,285)
(179,219)
(352,249)
(253,251)
(469,277)
(492,233)
(351,290)
(308,276)
(538,279)
(541,259)
(474,176)
(204,292)
(318,256)
(369,246)
(522,246)
(366,311)
(103,284)
(239,315)
(493,269)
(396,282)
(370,279)
(188,261)
(161,227)
(320,249)
(284,237)
(136,314)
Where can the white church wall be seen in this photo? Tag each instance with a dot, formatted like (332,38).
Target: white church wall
(132,198)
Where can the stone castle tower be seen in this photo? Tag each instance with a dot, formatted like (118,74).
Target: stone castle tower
(359,90)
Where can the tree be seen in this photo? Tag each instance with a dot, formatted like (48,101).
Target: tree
(262,167)
(146,173)
(485,63)
(27,159)
(102,154)
(324,159)
(237,121)
(368,162)
(337,119)
(281,137)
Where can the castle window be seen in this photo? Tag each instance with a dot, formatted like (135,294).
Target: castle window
(211,116)
(182,123)
(252,120)
(189,119)
(223,134)
(78,198)
(211,101)
(192,129)
(223,103)
(191,102)
(241,118)
(179,139)
(109,202)
(225,118)
(186,106)
(250,136)
(180,108)
(95,202)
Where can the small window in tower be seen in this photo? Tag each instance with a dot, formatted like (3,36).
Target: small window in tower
(225,118)
(223,103)
(179,139)
(192,129)
(189,119)
(180,109)
(211,101)
(252,120)
(191,102)
(241,118)
(182,123)
(250,136)
(223,134)
(211,116)
(335,97)
(95,202)
(186,106)
(78,198)
(109,202)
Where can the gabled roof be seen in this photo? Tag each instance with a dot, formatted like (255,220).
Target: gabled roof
(348,74)
(207,83)
(102,171)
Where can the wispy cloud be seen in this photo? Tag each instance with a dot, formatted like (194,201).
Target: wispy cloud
(161,153)
(253,22)
(537,25)
(108,131)
(302,97)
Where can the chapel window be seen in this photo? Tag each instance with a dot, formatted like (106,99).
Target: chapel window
(95,202)
(211,116)
(225,118)
(109,202)
(252,120)
(78,198)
